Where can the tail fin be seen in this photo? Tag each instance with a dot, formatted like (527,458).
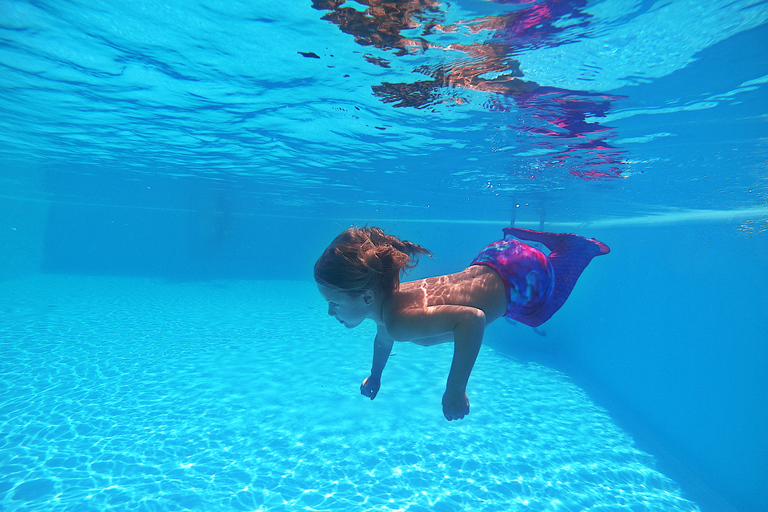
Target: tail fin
(569,255)
(552,240)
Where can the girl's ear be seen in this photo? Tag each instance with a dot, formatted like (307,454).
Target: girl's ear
(368,297)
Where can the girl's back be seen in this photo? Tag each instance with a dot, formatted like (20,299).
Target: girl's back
(476,286)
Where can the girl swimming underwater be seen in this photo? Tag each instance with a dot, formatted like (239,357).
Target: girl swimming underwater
(359,276)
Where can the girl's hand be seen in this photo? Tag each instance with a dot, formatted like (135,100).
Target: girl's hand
(455,405)
(370,387)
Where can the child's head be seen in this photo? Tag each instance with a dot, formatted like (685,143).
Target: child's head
(362,259)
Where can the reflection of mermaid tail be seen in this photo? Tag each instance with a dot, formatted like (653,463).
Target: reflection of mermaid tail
(569,255)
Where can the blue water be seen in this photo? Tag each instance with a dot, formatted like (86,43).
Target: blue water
(170,171)
(219,97)
(135,394)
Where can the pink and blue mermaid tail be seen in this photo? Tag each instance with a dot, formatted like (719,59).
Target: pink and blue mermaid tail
(538,285)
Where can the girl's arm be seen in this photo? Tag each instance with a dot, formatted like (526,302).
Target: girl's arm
(382,347)
(467,324)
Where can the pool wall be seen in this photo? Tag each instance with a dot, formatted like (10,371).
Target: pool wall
(23,222)
(668,331)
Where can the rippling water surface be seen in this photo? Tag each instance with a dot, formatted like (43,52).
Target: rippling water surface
(404,107)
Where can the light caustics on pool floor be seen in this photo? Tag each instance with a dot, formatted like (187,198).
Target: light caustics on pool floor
(121,394)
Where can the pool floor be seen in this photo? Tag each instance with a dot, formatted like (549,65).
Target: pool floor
(140,394)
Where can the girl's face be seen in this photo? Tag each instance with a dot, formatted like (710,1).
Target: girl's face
(348,309)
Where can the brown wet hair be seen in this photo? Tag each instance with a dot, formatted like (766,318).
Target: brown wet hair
(361,259)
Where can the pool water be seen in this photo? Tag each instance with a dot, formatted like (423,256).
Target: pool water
(166,166)
(144,394)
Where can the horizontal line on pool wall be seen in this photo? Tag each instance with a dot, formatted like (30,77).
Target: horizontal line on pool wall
(676,217)
(651,219)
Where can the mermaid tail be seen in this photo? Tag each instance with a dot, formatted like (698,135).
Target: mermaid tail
(569,255)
